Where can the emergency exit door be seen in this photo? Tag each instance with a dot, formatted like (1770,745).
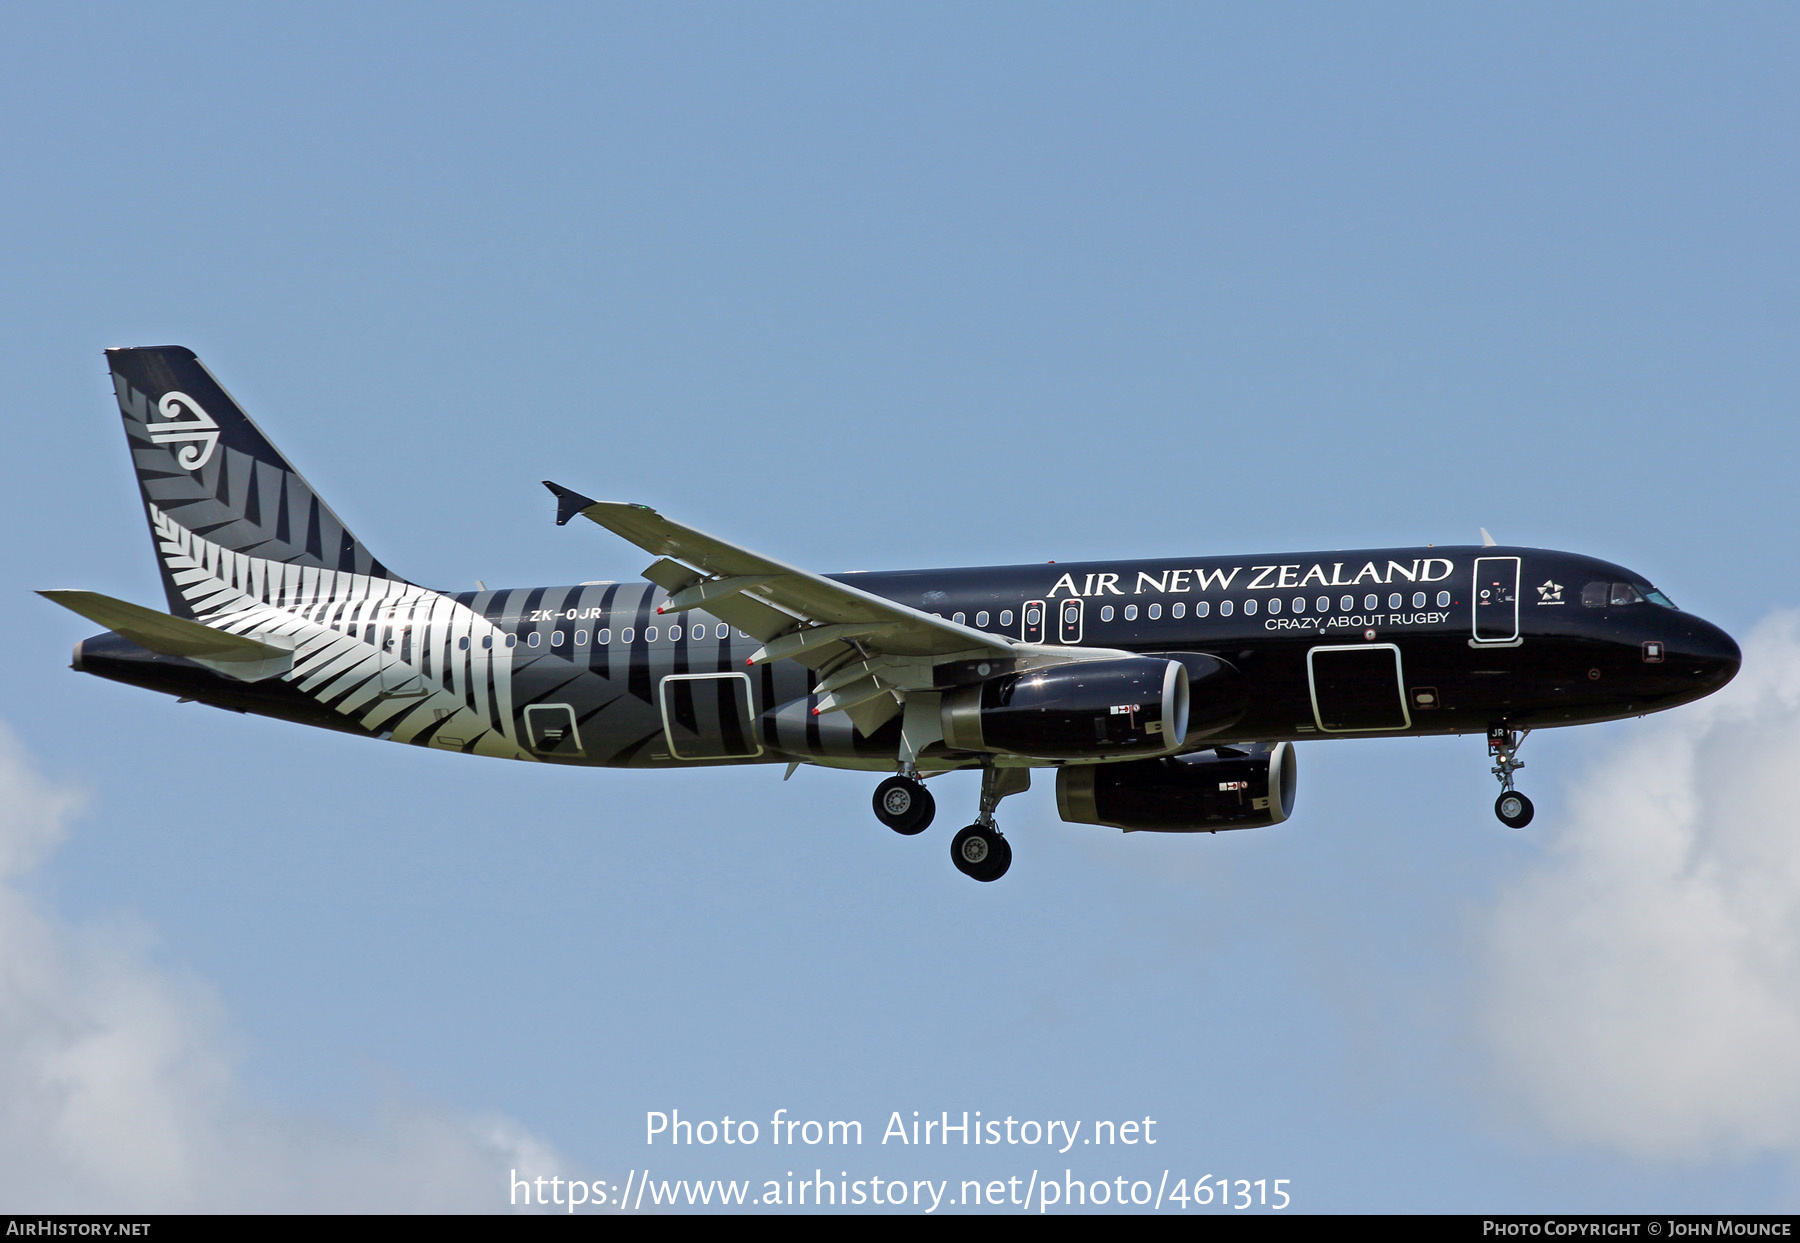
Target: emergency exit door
(1032,619)
(1068,619)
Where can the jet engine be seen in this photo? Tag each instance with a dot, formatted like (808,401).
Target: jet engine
(1084,709)
(1217,693)
(1225,788)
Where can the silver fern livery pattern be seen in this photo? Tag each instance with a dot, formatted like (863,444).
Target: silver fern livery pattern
(1166,695)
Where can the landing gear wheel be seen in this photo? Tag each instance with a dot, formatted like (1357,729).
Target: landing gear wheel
(980,852)
(904,805)
(1514,809)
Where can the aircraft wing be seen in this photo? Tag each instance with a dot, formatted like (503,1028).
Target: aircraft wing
(797,614)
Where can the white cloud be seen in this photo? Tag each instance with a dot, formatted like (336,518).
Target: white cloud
(119,1090)
(1643,984)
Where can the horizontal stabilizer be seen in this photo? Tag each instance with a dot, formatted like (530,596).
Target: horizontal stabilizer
(248,660)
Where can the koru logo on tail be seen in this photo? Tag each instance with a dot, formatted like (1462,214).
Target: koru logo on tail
(197,434)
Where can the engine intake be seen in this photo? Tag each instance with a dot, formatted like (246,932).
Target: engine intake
(1228,788)
(1133,706)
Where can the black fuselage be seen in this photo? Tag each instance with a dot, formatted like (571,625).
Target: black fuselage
(1342,644)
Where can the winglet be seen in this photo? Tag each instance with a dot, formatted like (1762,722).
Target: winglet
(568,502)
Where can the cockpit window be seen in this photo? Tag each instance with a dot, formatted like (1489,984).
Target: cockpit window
(1616,595)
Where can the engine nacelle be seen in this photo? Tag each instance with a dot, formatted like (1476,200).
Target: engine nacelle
(1230,788)
(1131,706)
(1217,693)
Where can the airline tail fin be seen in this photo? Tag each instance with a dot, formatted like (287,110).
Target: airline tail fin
(203,466)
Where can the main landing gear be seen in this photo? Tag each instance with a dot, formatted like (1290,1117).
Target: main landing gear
(1513,808)
(981,852)
(905,806)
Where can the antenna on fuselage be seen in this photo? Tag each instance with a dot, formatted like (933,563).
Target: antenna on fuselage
(1488,541)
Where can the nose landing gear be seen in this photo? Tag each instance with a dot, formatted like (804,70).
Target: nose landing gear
(1513,809)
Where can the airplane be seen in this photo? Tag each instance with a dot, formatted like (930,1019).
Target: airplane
(1166,694)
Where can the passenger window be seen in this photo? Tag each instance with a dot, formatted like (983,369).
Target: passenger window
(959,618)
(1106,612)
(1418,599)
(1275,605)
(1249,608)
(512,640)
(1225,607)
(1347,603)
(462,644)
(1178,609)
(1202,608)
(649,634)
(604,637)
(981,619)
(556,640)
(581,638)
(1131,612)
(1323,604)
(627,635)
(533,639)
(487,641)
(674,633)
(1154,611)
(1443,599)
(1396,600)
(721,630)
(1371,602)
(1006,617)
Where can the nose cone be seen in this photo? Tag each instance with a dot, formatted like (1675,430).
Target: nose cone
(1707,655)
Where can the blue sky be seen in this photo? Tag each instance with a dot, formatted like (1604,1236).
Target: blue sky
(882,288)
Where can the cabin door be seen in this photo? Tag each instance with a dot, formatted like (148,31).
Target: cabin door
(1496,599)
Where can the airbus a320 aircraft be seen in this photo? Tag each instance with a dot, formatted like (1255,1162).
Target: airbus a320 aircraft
(1165,694)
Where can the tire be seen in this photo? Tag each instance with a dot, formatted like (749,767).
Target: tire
(1513,809)
(980,853)
(904,805)
(999,861)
